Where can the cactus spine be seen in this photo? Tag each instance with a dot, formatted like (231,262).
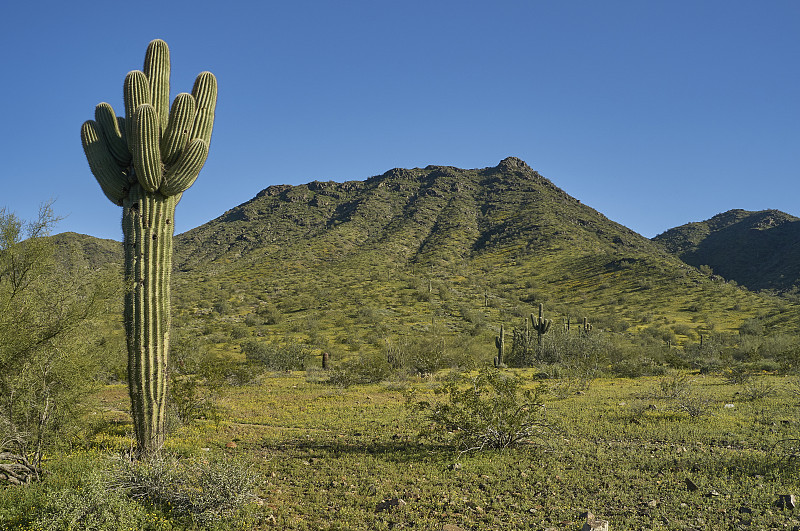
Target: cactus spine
(143,163)
(541,325)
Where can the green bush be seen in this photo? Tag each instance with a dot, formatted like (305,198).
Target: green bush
(430,352)
(206,492)
(364,368)
(494,409)
(290,356)
(92,507)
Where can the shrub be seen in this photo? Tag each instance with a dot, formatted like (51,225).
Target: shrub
(431,352)
(291,356)
(360,369)
(677,390)
(270,313)
(674,386)
(91,506)
(756,389)
(751,327)
(494,410)
(190,400)
(737,375)
(206,492)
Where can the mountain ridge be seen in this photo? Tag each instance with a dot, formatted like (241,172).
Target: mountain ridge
(758,249)
(365,264)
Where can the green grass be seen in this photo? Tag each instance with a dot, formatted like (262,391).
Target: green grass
(328,458)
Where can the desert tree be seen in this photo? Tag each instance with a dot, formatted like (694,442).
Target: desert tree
(47,362)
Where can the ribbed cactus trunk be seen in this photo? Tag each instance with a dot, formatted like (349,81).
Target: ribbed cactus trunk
(144,162)
(147,224)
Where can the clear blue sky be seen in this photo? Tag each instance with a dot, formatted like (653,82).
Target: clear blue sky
(655,113)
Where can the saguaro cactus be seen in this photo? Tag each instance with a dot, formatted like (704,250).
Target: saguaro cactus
(143,163)
(541,325)
(500,343)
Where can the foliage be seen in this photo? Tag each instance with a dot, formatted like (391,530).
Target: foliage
(205,491)
(677,391)
(92,506)
(288,356)
(47,362)
(757,388)
(427,353)
(363,368)
(494,410)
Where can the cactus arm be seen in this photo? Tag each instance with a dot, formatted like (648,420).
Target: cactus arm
(156,68)
(136,91)
(109,175)
(146,151)
(110,125)
(176,135)
(205,95)
(184,172)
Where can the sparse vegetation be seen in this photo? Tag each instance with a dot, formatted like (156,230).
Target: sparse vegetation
(644,373)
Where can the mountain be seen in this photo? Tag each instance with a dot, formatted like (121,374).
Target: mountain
(79,250)
(759,250)
(360,264)
(435,214)
(417,256)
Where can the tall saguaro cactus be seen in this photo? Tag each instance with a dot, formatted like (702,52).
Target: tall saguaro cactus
(143,163)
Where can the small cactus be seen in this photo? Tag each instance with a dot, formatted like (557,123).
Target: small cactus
(586,328)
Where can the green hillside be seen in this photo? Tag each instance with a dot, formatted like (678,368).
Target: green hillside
(436,259)
(439,252)
(759,250)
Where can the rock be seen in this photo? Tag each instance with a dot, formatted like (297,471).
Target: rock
(594,524)
(652,503)
(230,445)
(451,527)
(390,504)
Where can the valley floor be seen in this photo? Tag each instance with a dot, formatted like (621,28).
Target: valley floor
(672,452)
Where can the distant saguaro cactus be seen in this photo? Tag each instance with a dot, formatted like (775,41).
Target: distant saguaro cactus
(500,343)
(143,163)
(541,325)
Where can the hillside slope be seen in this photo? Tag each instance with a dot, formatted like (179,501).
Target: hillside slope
(759,250)
(364,264)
